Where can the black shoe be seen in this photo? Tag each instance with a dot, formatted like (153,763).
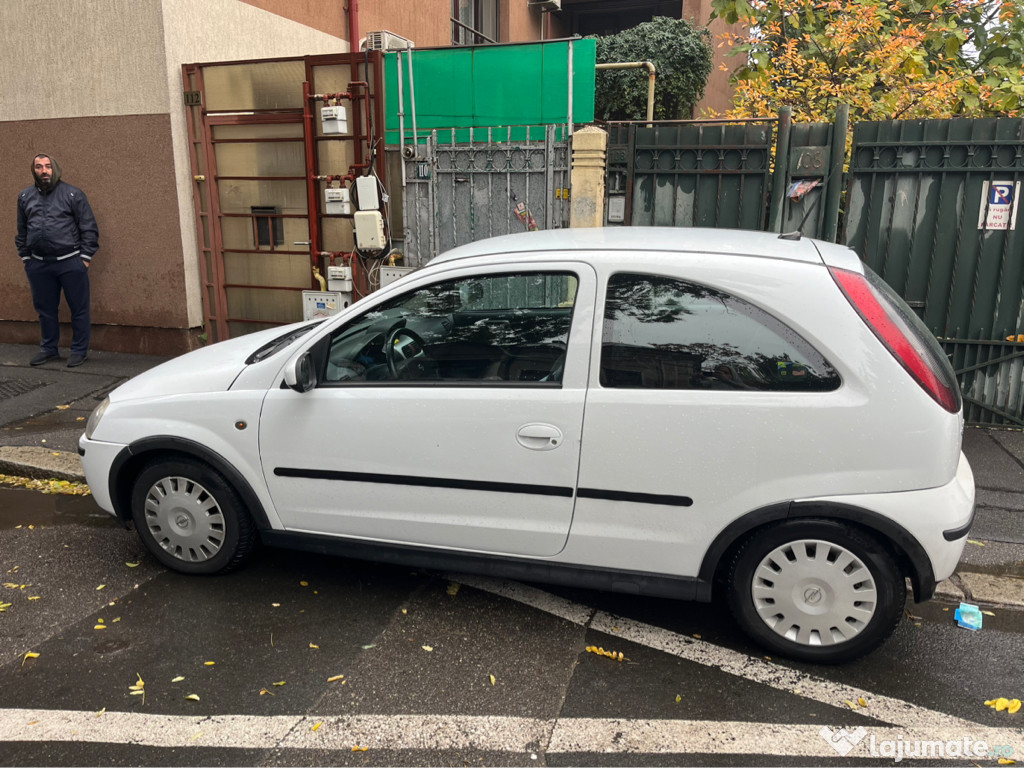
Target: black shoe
(43,357)
(75,360)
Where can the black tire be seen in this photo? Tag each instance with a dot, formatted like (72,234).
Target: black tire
(190,517)
(816,590)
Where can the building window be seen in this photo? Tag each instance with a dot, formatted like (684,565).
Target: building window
(474,22)
(267,226)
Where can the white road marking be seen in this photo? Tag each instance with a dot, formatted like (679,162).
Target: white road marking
(907,722)
(460,732)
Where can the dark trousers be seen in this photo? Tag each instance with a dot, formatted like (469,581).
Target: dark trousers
(47,279)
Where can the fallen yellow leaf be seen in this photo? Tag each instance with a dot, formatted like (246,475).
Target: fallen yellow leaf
(178,679)
(137,693)
(281,682)
(317,647)
(1001,704)
(101,712)
(334,679)
(862,702)
(209,663)
(63,407)
(132,565)
(1006,761)
(427,648)
(317,726)
(192,697)
(493,679)
(264,691)
(976,543)
(453,589)
(1014,706)
(988,613)
(357,748)
(80,418)
(275,605)
(678,698)
(101,586)
(303,583)
(100,626)
(849,703)
(29,655)
(34,597)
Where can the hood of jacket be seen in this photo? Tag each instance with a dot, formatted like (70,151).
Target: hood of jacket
(54,179)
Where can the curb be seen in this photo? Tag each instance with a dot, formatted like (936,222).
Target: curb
(41,464)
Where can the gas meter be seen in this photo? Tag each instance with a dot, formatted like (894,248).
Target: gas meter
(334,120)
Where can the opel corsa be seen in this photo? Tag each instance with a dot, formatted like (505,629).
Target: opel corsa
(676,412)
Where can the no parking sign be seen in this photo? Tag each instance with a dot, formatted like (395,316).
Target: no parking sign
(999,205)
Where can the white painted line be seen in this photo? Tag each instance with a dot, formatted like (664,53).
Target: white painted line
(460,732)
(535,598)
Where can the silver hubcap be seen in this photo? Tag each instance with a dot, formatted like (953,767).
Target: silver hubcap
(814,592)
(185,519)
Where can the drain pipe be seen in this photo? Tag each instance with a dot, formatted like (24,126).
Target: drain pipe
(650,81)
(412,100)
(401,117)
(353,26)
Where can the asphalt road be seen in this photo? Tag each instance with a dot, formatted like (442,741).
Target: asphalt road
(323,661)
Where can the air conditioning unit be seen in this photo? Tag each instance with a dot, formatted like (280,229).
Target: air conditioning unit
(546,5)
(386,41)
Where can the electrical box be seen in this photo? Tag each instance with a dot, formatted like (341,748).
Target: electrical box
(617,209)
(366,193)
(388,275)
(337,200)
(369,230)
(317,304)
(333,120)
(339,279)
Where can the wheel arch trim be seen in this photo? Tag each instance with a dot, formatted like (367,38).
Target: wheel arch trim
(134,454)
(922,576)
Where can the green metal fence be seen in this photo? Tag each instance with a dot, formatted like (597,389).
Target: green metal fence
(931,207)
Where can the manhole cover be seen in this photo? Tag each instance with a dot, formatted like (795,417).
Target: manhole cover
(13,387)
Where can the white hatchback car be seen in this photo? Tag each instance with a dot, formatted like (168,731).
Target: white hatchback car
(671,412)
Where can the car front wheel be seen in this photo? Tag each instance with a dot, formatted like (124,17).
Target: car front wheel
(190,517)
(816,590)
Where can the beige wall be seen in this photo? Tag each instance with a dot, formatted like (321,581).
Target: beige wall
(328,16)
(71,58)
(426,22)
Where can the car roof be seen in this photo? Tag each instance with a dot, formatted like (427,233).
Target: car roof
(615,240)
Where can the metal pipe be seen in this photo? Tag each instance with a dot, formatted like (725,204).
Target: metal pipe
(353,25)
(401,119)
(412,102)
(312,171)
(652,73)
(569,119)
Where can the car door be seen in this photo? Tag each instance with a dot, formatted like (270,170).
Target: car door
(447,416)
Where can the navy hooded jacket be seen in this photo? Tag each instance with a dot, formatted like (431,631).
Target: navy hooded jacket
(55,221)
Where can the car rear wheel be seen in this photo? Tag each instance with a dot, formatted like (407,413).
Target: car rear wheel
(190,517)
(816,590)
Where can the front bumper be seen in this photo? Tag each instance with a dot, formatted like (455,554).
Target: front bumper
(97,458)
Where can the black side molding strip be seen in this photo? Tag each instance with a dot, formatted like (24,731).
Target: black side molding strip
(425,482)
(958,533)
(636,498)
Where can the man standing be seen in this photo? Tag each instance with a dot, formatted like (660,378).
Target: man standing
(57,237)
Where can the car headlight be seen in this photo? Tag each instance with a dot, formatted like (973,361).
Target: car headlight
(94,418)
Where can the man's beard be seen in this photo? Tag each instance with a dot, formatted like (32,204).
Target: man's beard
(43,182)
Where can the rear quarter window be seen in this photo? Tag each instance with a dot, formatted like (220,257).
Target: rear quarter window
(664,333)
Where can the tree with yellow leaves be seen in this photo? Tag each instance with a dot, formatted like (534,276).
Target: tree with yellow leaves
(887,59)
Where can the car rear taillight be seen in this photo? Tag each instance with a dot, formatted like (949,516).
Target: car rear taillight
(902,333)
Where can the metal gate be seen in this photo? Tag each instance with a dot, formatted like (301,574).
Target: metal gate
(689,174)
(468,184)
(932,208)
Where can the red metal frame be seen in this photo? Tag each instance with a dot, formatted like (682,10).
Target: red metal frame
(364,68)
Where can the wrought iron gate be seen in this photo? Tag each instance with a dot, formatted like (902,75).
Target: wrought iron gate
(468,184)
(932,208)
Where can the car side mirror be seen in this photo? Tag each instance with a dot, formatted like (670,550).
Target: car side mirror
(300,374)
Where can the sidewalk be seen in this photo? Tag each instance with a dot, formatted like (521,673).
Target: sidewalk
(43,411)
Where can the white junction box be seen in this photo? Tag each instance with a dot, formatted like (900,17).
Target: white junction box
(317,304)
(334,120)
(366,193)
(336,200)
(339,279)
(388,275)
(369,230)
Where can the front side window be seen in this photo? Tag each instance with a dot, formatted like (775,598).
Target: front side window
(663,333)
(507,329)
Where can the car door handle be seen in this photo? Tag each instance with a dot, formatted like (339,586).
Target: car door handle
(539,437)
